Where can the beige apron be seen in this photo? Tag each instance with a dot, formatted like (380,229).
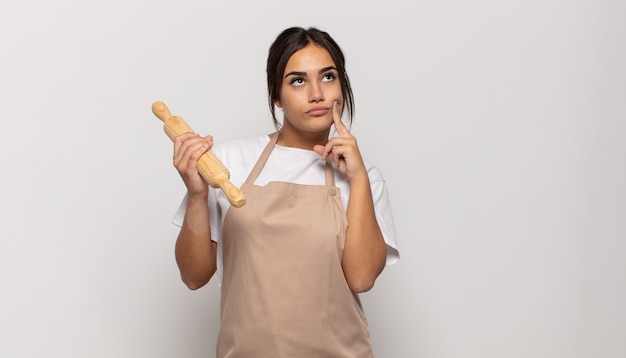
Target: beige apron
(283,289)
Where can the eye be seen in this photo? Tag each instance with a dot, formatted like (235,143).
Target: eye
(329,76)
(297,81)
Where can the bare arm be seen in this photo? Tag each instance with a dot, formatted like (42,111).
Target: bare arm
(195,252)
(365,251)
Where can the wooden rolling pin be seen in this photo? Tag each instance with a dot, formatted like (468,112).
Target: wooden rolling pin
(209,167)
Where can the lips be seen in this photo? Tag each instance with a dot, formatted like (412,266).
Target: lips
(317,111)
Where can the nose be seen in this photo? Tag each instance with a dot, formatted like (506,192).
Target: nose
(316,94)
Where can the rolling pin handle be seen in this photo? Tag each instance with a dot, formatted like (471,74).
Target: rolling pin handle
(161,111)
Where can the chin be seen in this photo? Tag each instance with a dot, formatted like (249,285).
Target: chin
(320,127)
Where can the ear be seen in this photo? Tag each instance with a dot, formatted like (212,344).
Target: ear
(278,104)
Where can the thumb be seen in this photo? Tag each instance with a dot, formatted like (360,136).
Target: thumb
(319,149)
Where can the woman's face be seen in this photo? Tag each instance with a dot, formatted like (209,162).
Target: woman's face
(310,85)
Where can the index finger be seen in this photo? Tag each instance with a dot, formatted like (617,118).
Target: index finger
(339,126)
(178,141)
(181,138)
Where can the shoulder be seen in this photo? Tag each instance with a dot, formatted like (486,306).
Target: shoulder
(240,146)
(239,155)
(240,151)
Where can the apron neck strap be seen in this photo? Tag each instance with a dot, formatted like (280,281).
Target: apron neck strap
(262,159)
(330,177)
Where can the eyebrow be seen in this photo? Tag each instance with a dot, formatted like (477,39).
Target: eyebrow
(302,74)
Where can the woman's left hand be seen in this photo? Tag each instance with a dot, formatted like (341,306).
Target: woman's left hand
(343,149)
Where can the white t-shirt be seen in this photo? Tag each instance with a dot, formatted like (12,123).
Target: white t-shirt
(292,165)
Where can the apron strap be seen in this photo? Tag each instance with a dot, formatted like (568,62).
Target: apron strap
(262,159)
(330,176)
(254,173)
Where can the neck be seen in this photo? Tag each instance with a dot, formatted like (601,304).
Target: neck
(290,137)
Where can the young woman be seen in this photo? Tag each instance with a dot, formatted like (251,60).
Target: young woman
(316,228)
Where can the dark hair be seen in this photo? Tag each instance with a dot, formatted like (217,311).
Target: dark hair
(285,45)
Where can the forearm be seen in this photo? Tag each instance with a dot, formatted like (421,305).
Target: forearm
(195,252)
(365,250)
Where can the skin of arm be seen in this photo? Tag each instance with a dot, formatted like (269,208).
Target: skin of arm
(195,252)
(365,250)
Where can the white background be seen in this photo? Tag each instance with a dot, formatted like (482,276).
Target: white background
(500,127)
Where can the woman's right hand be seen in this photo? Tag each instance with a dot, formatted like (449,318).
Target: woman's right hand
(188,148)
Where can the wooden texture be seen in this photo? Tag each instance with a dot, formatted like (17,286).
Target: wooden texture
(209,167)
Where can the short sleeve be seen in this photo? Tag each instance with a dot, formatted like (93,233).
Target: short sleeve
(384,215)
(214,216)
(179,216)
